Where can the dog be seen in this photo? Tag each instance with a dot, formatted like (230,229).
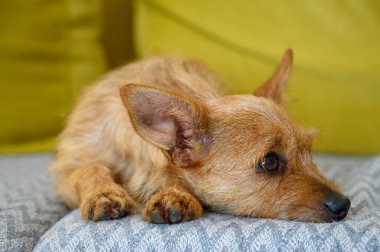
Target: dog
(156,136)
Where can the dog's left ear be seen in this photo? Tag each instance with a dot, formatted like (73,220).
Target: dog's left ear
(171,121)
(274,87)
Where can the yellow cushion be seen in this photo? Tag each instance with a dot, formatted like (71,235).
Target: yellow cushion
(49,50)
(335,85)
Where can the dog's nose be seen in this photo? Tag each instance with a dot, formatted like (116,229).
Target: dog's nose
(337,205)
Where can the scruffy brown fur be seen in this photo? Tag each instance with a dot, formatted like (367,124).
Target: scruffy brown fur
(156,134)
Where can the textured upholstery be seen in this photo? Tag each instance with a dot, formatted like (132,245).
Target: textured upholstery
(359,178)
(28,205)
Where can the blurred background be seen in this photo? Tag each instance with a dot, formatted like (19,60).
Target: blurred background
(50,50)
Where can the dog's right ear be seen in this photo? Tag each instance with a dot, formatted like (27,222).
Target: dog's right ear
(275,86)
(170,121)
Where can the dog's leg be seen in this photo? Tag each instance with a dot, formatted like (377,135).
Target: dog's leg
(94,190)
(172,205)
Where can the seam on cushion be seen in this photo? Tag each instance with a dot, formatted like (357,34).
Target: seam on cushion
(249,52)
(69,68)
(85,23)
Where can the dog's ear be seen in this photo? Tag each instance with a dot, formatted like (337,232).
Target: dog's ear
(170,121)
(274,87)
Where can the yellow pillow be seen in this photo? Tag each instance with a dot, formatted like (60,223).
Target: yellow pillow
(49,50)
(335,85)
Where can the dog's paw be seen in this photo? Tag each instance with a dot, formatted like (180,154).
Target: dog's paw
(109,204)
(172,206)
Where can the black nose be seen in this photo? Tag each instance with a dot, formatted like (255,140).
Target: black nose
(337,205)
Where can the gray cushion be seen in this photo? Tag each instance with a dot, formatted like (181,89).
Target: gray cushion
(359,178)
(28,205)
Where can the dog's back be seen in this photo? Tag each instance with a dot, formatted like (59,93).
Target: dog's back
(100,131)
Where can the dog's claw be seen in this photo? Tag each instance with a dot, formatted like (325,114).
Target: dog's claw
(91,214)
(156,218)
(121,213)
(175,215)
(104,217)
(190,216)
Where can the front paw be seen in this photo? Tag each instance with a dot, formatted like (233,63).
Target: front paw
(109,204)
(172,206)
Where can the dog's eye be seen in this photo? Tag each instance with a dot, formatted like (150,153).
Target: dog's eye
(270,163)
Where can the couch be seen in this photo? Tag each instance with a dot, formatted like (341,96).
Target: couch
(33,217)
(51,50)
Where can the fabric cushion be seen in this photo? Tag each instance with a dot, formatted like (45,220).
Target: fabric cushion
(49,51)
(359,178)
(28,205)
(335,85)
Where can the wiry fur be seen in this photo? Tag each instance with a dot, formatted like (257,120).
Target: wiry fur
(174,145)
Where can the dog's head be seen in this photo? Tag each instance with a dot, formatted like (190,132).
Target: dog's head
(240,154)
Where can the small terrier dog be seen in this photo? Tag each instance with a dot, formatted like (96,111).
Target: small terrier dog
(157,134)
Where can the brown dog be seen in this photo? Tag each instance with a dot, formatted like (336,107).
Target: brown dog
(157,134)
